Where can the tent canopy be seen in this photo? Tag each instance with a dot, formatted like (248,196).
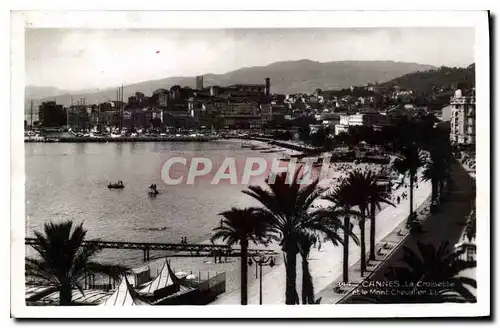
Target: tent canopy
(164,279)
(124,295)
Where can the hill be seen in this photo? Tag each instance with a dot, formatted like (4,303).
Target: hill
(435,80)
(302,76)
(35,92)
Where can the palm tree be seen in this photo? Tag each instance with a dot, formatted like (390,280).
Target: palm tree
(409,161)
(436,167)
(377,196)
(444,158)
(470,228)
(305,243)
(288,205)
(343,199)
(440,268)
(439,265)
(431,173)
(64,260)
(362,183)
(240,226)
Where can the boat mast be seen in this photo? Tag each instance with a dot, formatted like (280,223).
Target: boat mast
(31,115)
(67,114)
(117,98)
(120,100)
(121,106)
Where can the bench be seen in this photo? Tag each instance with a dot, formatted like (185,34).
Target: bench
(339,290)
(387,246)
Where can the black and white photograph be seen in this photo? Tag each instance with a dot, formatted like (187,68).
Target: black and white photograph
(216,159)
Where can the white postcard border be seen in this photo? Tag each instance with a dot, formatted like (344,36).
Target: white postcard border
(110,19)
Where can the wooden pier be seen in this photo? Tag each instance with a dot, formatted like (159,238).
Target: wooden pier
(180,250)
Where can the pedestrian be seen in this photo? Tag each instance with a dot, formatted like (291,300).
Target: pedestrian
(319,245)
(398,200)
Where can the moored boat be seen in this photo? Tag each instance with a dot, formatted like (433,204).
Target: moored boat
(118,185)
(152,190)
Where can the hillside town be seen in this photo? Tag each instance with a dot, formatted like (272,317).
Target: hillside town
(254,109)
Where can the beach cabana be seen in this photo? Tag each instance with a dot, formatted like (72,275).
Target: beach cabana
(89,297)
(36,292)
(124,295)
(163,285)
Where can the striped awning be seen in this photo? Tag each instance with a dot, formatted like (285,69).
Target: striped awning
(163,280)
(124,295)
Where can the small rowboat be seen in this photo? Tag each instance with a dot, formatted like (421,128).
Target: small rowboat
(115,186)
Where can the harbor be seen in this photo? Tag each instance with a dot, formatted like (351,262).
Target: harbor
(103,138)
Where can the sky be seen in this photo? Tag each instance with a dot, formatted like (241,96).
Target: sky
(76,59)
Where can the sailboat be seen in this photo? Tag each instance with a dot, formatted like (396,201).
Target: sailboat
(213,132)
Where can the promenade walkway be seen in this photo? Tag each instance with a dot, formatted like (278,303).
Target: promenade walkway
(445,225)
(325,264)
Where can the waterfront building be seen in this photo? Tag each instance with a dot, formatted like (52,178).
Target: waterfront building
(330,119)
(266,112)
(241,113)
(314,128)
(160,98)
(445,113)
(132,101)
(367,118)
(52,114)
(396,114)
(79,117)
(340,128)
(463,118)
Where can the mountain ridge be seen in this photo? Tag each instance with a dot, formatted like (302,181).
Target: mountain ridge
(445,78)
(294,76)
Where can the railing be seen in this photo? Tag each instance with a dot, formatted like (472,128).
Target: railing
(468,246)
(470,251)
(194,250)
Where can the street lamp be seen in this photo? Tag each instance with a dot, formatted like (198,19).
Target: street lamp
(261,261)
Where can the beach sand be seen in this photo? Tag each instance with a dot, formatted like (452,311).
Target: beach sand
(325,264)
(265,147)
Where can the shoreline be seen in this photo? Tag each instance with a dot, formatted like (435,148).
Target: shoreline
(122,139)
(265,147)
